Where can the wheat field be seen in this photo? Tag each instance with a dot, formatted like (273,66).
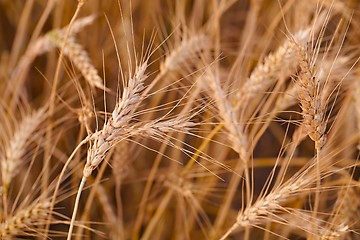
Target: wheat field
(185,119)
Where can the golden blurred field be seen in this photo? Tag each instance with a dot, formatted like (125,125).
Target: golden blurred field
(187,119)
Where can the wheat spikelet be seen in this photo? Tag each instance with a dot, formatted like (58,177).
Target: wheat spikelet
(130,98)
(263,209)
(330,71)
(72,49)
(337,233)
(18,144)
(156,128)
(297,220)
(179,184)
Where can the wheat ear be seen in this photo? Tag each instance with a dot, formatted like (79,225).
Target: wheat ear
(18,144)
(280,63)
(330,71)
(265,207)
(238,138)
(187,49)
(113,130)
(236,130)
(44,44)
(118,128)
(344,214)
(23,220)
(79,57)
(313,111)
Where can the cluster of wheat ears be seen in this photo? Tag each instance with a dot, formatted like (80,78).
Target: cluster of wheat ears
(189,119)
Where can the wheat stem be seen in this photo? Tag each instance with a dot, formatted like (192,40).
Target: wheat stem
(76,206)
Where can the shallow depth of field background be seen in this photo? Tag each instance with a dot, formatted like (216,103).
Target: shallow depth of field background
(244,123)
